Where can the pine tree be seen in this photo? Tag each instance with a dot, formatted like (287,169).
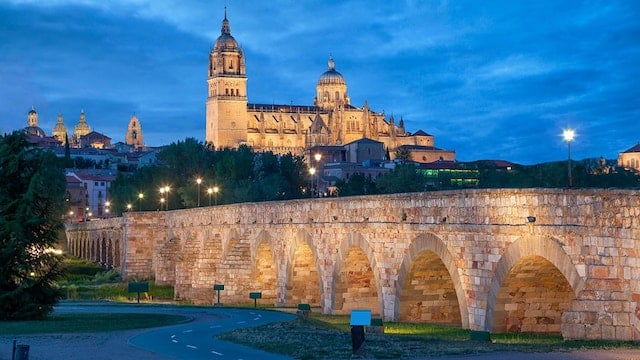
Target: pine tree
(32,189)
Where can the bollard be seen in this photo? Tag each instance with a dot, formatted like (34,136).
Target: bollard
(22,352)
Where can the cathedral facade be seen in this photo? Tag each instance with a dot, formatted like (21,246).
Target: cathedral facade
(332,120)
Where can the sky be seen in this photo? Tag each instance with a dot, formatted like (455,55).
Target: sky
(488,79)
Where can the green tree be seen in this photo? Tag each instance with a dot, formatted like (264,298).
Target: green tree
(357,184)
(32,188)
(404,178)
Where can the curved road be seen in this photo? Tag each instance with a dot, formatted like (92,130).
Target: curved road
(195,339)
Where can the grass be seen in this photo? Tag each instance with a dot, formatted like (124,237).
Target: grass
(88,322)
(84,280)
(329,337)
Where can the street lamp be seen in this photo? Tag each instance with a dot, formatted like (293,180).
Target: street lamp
(312,171)
(166,190)
(107,205)
(215,192)
(318,156)
(210,191)
(199,181)
(128,207)
(140,196)
(568,135)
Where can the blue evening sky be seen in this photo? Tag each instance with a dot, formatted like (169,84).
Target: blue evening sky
(489,79)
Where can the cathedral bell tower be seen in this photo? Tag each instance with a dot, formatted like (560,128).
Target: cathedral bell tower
(227,92)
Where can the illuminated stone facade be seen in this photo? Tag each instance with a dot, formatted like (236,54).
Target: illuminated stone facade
(134,133)
(527,260)
(231,120)
(630,159)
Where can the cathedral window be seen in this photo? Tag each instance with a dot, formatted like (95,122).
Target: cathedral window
(226,91)
(231,65)
(337,96)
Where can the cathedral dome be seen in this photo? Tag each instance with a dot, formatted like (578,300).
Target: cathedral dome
(225,41)
(331,76)
(35,131)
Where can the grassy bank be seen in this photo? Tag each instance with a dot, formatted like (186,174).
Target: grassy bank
(88,322)
(329,337)
(83,280)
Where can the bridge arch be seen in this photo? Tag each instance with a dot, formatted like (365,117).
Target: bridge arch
(423,245)
(303,272)
(361,270)
(265,267)
(541,259)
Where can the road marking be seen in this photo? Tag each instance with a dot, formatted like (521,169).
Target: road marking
(191,346)
(187,331)
(174,341)
(215,352)
(173,336)
(258,318)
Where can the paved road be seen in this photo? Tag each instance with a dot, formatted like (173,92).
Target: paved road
(195,339)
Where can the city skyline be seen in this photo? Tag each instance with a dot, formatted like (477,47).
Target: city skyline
(490,81)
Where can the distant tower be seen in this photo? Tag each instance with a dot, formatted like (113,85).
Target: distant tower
(32,124)
(134,133)
(59,130)
(226,107)
(82,128)
(331,90)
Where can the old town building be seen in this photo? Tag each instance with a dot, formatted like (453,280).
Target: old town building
(332,120)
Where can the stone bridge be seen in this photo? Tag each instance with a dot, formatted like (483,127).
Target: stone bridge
(519,260)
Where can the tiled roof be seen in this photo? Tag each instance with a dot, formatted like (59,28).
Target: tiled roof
(633,149)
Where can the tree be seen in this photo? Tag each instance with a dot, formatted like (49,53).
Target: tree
(32,189)
(404,178)
(357,184)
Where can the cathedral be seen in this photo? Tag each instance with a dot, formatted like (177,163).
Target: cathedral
(232,121)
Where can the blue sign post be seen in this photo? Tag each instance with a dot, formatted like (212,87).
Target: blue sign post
(359,319)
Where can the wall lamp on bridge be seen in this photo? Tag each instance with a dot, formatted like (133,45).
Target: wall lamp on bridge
(531,219)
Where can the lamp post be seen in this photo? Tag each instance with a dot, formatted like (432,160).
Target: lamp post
(107,205)
(215,194)
(568,135)
(198,181)
(318,156)
(140,196)
(210,191)
(312,171)
(166,190)
(128,207)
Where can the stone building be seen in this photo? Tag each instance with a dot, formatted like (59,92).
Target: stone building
(332,120)
(630,159)
(134,133)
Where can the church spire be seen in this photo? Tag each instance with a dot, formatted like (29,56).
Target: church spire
(226,28)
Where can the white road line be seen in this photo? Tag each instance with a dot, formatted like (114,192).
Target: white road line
(191,346)
(258,318)
(187,331)
(174,341)
(173,336)
(217,353)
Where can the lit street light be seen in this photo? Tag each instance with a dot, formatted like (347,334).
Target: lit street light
(210,191)
(215,192)
(128,207)
(312,171)
(140,196)
(164,190)
(107,205)
(568,135)
(199,181)
(318,156)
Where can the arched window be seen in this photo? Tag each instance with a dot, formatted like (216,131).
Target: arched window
(226,91)
(337,96)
